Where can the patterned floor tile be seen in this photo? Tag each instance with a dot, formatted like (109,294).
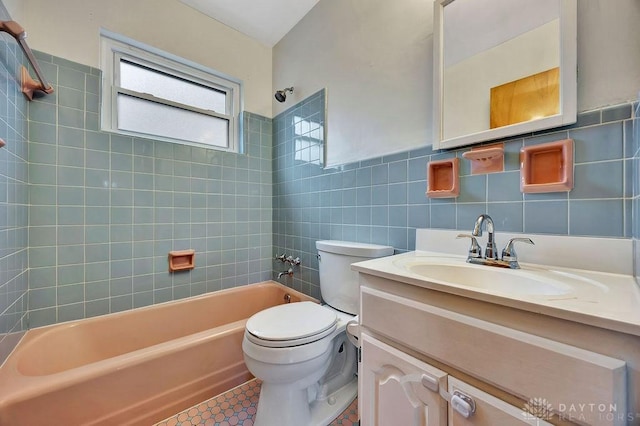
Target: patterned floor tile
(238,406)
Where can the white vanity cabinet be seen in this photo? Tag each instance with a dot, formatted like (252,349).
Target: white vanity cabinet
(489,410)
(427,357)
(398,389)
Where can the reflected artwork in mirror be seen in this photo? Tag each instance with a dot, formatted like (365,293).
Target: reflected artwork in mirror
(502,68)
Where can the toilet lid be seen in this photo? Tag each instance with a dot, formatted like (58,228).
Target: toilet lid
(292,321)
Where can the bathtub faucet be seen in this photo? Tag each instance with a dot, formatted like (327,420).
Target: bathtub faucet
(287,272)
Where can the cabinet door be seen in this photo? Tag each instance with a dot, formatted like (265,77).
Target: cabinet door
(490,411)
(397,389)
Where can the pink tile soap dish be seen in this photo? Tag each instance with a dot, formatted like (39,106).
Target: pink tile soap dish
(181,260)
(547,167)
(486,159)
(442,179)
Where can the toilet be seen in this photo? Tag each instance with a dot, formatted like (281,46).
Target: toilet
(300,350)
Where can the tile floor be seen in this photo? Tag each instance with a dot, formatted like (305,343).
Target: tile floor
(238,407)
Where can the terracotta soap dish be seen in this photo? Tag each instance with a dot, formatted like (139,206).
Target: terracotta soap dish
(486,159)
(181,260)
(442,179)
(547,167)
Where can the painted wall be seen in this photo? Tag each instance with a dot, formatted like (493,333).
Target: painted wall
(15,8)
(71,29)
(340,44)
(373,56)
(14,213)
(608,57)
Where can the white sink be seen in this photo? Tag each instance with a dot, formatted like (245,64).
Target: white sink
(525,281)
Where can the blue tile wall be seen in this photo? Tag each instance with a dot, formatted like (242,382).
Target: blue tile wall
(97,213)
(634,149)
(383,200)
(13,196)
(107,209)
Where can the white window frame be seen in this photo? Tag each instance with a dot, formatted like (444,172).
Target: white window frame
(115,47)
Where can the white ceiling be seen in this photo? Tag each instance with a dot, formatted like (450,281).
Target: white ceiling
(264,20)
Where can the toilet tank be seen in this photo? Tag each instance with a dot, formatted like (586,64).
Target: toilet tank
(338,283)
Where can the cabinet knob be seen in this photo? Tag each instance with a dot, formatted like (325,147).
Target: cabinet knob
(463,404)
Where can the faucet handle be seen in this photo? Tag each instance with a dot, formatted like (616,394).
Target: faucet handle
(509,252)
(474,251)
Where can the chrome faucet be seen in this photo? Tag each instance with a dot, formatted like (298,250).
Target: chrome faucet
(287,272)
(491,252)
(509,257)
(509,252)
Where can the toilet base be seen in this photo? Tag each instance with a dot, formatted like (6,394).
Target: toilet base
(295,408)
(323,412)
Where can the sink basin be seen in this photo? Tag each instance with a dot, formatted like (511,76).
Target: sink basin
(525,281)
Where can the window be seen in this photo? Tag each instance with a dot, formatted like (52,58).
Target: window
(309,136)
(153,94)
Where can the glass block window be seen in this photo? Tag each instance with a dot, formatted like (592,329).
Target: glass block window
(308,140)
(153,94)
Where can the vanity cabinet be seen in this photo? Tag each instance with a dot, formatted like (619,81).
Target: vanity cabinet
(398,389)
(489,410)
(428,357)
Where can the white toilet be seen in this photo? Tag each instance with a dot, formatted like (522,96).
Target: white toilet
(300,350)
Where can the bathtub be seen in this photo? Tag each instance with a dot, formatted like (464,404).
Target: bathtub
(135,367)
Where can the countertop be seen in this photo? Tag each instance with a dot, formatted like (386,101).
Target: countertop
(607,300)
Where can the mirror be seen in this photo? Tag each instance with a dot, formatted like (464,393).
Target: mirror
(502,68)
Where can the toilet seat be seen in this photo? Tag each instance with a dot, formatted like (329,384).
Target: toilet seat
(290,325)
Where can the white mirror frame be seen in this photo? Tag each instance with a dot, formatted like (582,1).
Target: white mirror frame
(568,83)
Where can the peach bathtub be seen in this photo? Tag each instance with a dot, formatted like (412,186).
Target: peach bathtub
(135,367)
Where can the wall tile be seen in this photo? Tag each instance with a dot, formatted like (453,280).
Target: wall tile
(14,200)
(45,154)
(598,180)
(417,169)
(617,113)
(379,174)
(399,205)
(443,216)
(71,312)
(418,216)
(598,143)
(397,193)
(117,197)
(473,189)
(71,98)
(508,217)
(546,217)
(398,172)
(466,214)
(602,218)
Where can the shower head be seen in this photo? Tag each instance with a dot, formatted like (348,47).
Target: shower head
(281,95)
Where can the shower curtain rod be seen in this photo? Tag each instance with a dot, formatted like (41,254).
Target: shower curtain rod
(29,85)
